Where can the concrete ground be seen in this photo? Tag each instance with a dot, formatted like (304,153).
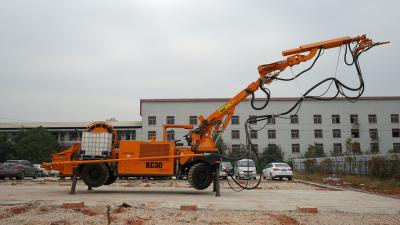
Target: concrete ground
(278,200)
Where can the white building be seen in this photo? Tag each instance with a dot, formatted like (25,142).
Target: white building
(67,132)
(372,121)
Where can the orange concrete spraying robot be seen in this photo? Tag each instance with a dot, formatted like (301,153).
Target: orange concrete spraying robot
(99,158)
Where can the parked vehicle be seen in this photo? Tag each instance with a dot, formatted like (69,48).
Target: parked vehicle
(40,171)
(245,169)
(18,169)
(278,170)
(226,170)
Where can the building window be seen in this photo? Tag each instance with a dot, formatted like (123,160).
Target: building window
(336,133)
(394,118)
(294,119)
(271,134)
(170,135)
(235,120)
(253,122)
(170,120)
(318,133)
(396,147)
(319,146)
(395,133)
(133,135)
(235,134)
(73,136)
(374,148)
(127,135)
(295,134)
(151,133)
(337,148)
(61,136)
(270,120)
(253,134)
(119,135)
(193,120)
(354,119)
(373,133)
(151,120)
(355,133)
(335,119)
(317,119)
(55,135)
(295,148)
(372,119)
(235,148)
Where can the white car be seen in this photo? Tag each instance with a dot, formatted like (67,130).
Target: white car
(245,169)
(278,170)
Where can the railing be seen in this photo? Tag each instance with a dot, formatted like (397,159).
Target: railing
(357,164)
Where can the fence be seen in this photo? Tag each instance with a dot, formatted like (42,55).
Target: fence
(357,164)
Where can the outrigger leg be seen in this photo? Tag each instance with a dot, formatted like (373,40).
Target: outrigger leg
(74,180)
(216,187)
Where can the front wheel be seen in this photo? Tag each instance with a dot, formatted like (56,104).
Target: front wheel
(95,175)
(200,176)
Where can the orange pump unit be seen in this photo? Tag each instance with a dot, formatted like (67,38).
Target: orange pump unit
(197,160)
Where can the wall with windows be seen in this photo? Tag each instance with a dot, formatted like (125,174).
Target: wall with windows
(372,121)
(68,133)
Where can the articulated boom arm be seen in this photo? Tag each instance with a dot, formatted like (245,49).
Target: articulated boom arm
(210,128)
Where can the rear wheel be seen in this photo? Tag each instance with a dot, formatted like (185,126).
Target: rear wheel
(95,175)
(289,178)
(200,176)
(111,179)
(21,177)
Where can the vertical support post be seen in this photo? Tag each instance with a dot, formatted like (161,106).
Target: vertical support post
(216,187)
(74,180)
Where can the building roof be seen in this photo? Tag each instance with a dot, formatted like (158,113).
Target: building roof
(257,99)
(54,125)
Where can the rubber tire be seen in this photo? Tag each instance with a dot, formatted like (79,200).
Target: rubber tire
(21,177)
(200,176)
(95,175)
(289,178)
(111,179)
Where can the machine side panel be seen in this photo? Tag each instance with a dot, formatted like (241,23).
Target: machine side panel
(141,149)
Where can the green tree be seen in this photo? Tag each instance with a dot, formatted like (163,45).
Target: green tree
(222,147)
(35,145)
(7,148)
(314,151)
(353,147)
(272,153)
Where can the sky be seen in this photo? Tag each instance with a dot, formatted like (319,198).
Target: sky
(95,60)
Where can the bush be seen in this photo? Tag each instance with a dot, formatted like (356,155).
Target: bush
(326,166)
(310,165)
(272,153)
(383,168)
(314,151)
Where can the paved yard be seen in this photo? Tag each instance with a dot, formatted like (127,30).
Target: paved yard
(176,193)
(159,202)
